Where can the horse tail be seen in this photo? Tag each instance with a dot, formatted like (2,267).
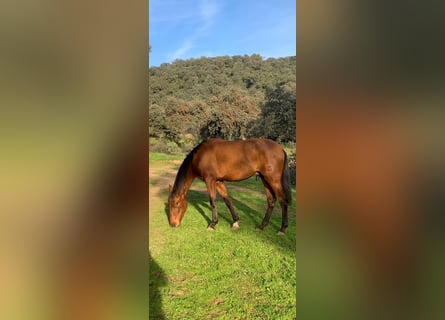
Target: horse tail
(285,180)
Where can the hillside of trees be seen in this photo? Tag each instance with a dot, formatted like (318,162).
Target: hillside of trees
(229,97)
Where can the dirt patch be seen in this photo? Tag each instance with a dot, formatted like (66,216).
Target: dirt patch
(159,179)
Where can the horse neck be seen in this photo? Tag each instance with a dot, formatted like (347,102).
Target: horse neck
(188,180)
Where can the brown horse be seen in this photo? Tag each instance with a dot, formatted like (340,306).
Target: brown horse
(215,161)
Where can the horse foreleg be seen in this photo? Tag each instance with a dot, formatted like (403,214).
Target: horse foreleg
(271,199)
(211,189)
(222,190)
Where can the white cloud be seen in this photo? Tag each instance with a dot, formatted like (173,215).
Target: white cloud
(208,11)
(182,50)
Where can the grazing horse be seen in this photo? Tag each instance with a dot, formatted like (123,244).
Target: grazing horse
(215,161)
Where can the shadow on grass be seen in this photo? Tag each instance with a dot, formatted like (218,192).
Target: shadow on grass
(199,205)
(199,200)
(166,211)
(157,279)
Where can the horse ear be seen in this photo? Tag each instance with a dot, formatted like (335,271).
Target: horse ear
(169,188)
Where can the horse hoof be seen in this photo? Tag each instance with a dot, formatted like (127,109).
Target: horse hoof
(235,226)
(210,229)
(280,233)
(258,229)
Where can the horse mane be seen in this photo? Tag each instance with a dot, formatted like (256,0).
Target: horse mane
(182,172)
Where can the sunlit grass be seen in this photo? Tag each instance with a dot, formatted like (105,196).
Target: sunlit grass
(156,157)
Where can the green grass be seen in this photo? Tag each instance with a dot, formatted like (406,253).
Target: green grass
(224,274)
(156,157)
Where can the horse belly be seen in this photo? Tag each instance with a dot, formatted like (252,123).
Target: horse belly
(229,169)
(237,175)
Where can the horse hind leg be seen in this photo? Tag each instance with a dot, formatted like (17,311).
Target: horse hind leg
(271,199)
(277,191)
(284,218)
(282,199)
(222,190)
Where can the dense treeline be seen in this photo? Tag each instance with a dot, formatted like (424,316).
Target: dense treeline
(228,97)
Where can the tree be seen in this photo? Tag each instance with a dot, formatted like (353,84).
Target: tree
(277,118)
(232,112)
(156,123)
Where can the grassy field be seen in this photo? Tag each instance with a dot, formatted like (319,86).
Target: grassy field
(225,274)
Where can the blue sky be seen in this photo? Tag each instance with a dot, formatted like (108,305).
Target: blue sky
(183,29)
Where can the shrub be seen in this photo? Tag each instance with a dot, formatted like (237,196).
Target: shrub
(164,146)
(292,168)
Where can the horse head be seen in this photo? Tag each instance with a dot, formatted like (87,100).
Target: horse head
(177,205)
